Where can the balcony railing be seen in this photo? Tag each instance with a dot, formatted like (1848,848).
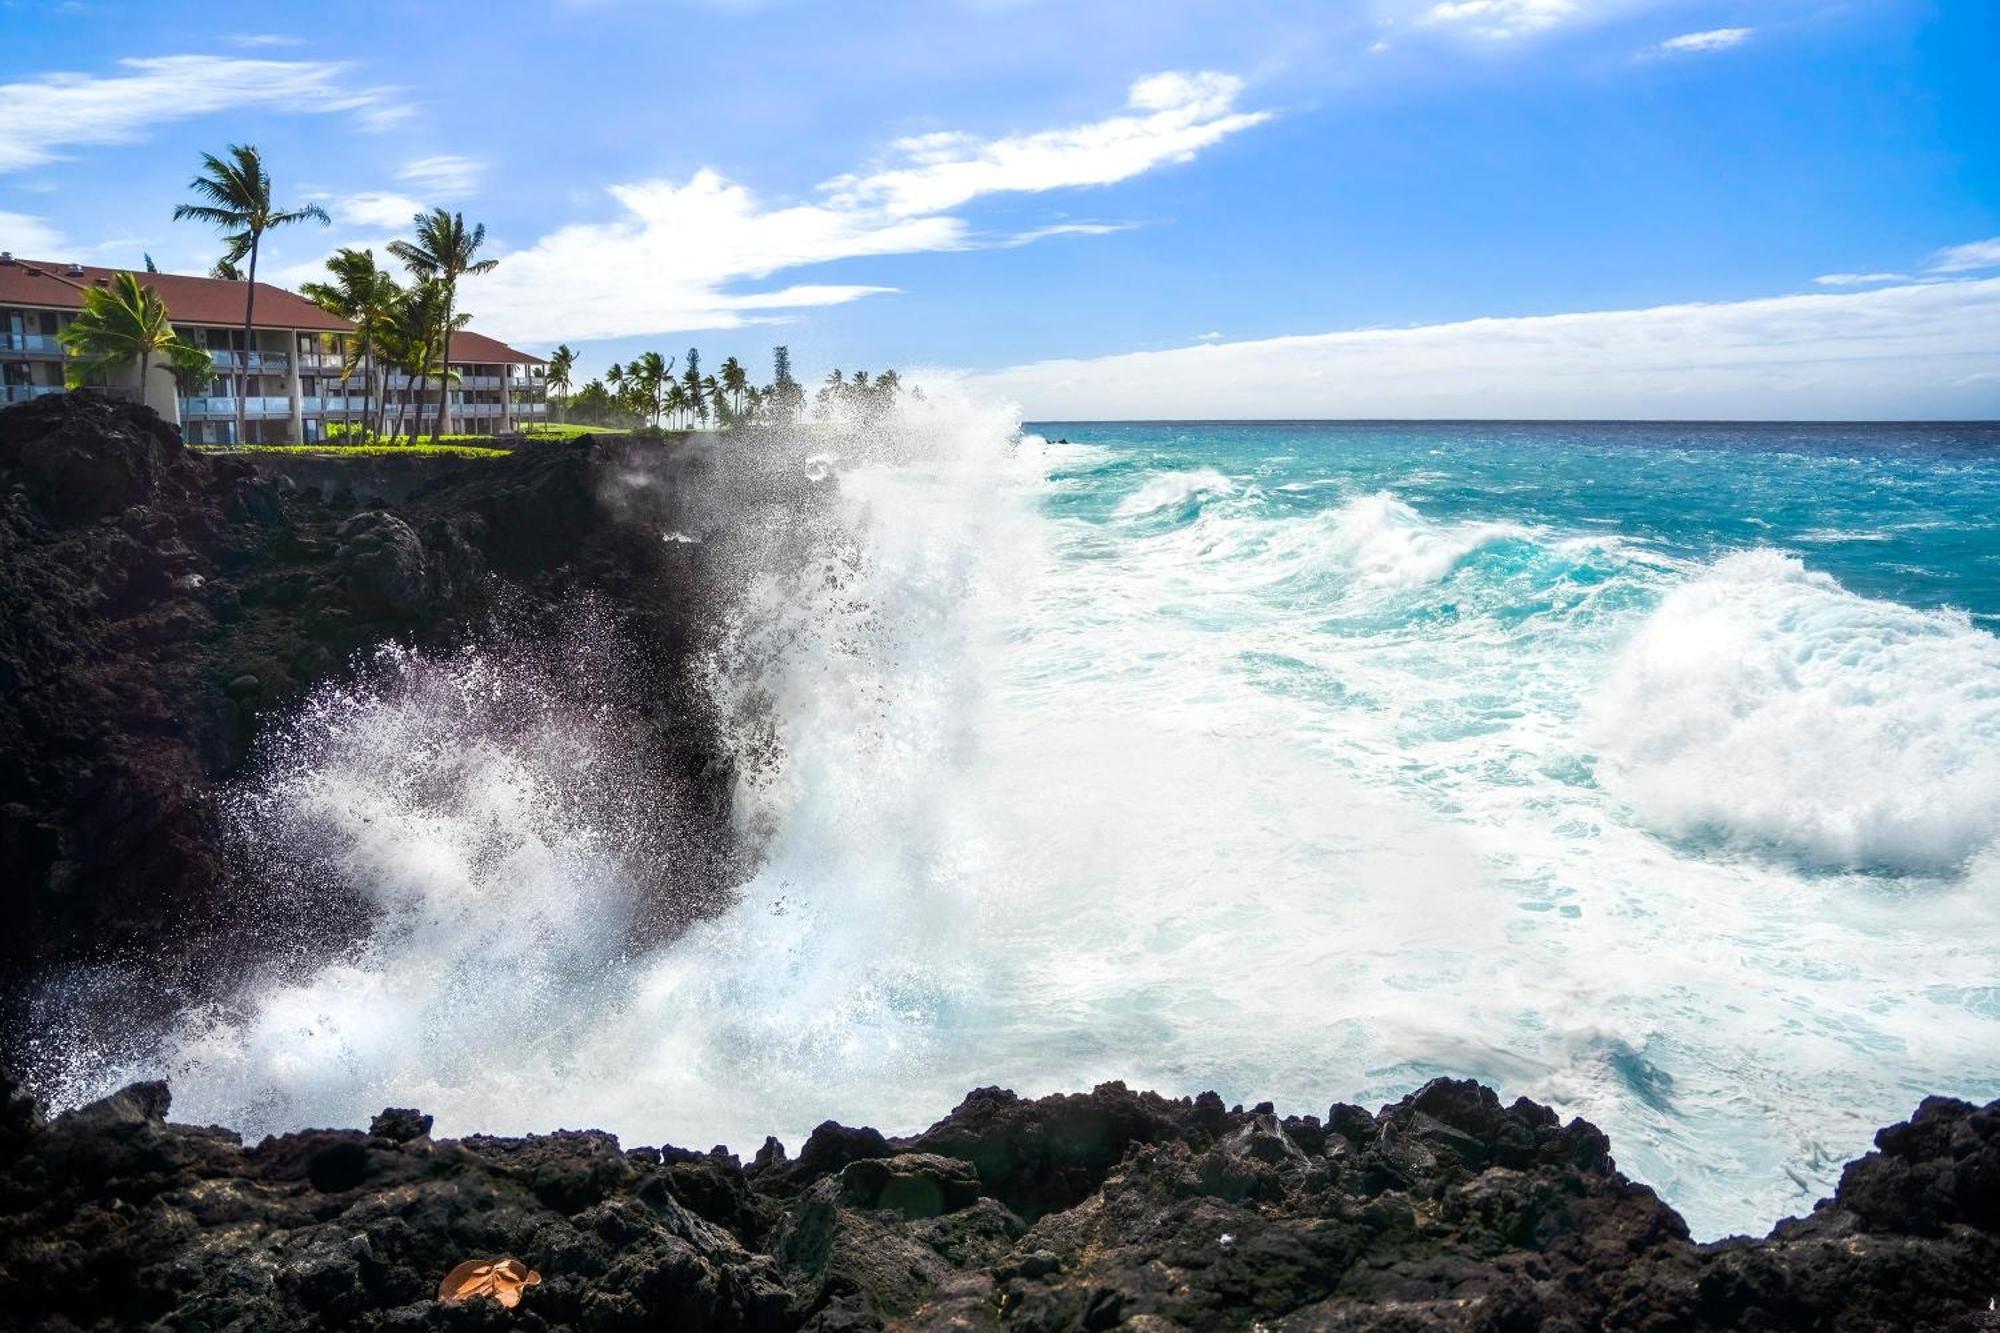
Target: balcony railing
(30,342)
(224,406)
(21,393)
(230,360)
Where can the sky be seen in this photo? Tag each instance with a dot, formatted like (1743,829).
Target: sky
(1119,208)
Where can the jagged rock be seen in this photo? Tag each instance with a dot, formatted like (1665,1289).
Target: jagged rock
(1447,1210)
(384,565)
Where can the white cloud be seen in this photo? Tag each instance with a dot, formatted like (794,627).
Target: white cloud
(1964,258)
(31,237)
(1500,20)
(40,117)
(677,254)
(1175,116)
(1692,43)
(263,40)
(375,208)
(1859,279)
(1892,352)
(446,174)
(1034,234)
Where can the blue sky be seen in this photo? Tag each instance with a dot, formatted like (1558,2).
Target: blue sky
(1067,197)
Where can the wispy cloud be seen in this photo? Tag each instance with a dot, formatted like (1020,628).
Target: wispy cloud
(31,237)
(1907,351)
(445,175)
(375,208)
(1965,258)
(1034,234)
(263,40)
(678,254)
(1859,279)
(1172,117)
(43,116)
(1500,20)
(1696,43)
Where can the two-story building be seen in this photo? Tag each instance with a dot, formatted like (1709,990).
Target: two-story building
(289,371)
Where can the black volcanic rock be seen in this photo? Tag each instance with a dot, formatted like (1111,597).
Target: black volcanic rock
(1460,1213)
(159,606)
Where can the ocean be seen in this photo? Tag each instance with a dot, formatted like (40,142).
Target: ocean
(1650,771)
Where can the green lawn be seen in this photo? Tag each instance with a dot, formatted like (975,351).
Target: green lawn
(550,430)
(445,450)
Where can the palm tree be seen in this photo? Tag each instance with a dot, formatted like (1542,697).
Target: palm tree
(225,269)
(562,362)
(443,253)
(735,379)
(691,377)
(650,373)
(422,337)
(124,323)
(237,199)
(676,402)
(365,295)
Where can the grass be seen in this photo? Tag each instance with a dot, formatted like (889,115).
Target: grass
(550,430)
(445,450)
(424,446)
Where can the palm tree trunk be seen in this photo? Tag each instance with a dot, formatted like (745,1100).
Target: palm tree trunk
(444,357)
(243,365)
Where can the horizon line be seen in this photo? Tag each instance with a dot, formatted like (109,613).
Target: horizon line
(1512,421)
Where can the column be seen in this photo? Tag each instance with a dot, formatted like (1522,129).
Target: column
(292,358)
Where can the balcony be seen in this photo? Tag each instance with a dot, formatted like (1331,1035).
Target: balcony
(44,343)
(213,406)
(22,393)
(228,360)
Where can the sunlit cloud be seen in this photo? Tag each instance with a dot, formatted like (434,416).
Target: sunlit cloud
(1172,117)
(1859,279)
(375,208)
(1695,43)
(1849,354)
(1965,258)
(445,175)
(43,116)
(31,237)
(1500,20)
(683,255)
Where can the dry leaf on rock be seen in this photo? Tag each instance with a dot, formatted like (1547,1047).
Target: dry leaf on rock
(502,1279)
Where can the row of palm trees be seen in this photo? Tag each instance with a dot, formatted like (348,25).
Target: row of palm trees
(646,390)
(398,328)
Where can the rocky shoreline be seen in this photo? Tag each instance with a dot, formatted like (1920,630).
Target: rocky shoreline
(1112,1209)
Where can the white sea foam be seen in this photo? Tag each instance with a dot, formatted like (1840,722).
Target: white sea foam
(1175,490)
(1765,705)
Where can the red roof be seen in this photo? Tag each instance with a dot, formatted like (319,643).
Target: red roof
(189,300)
(469,348)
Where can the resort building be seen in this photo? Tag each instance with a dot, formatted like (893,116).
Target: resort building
(289,372)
